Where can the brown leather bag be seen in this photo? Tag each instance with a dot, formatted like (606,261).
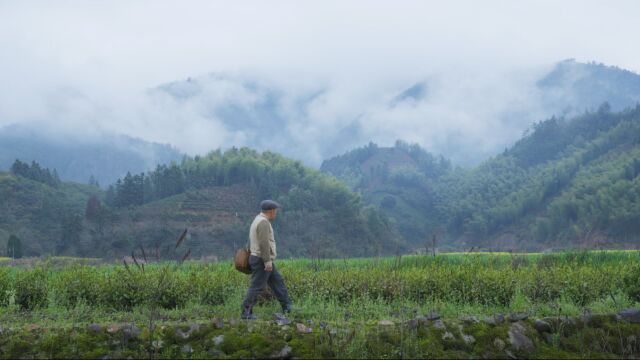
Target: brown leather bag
(241,260)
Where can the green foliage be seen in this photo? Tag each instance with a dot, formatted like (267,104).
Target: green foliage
(31,288)
(566,181)
(322,217)
(5,286)
(14,247)
(476,280)
(632,282)
(36,173)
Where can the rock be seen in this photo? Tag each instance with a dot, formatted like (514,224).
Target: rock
(422,320)
(439,325)
(499,344)
(412,323)
(386,323)
(631,315)
(548,338)
(468,339)
(542,326)
(215,353)
(181,334)
(157,344)
(515,317)
(112,329)
(131,331)
(95,328)
(468,319)
(494,319)
(285,328)
(565,325)
(433,316)
(218,323)
(187,349)
(186,334)
(303,329)
(323,324)
(218,340)
(489,320)
(510,354)
(285,353)
(518,339)
(447,336)
(281,320)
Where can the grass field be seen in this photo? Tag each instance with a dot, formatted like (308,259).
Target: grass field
(66,294)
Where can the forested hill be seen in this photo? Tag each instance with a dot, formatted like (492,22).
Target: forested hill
(567,183)
(399,180)
(215,197)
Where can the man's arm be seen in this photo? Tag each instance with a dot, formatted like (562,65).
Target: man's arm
(262,232)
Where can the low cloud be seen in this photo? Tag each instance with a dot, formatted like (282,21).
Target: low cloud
(308,81)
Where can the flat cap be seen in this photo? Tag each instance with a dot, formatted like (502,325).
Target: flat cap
(269,204)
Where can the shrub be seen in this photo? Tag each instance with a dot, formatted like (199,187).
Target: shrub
(31,288)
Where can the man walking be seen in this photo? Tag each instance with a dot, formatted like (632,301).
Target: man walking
(262,245)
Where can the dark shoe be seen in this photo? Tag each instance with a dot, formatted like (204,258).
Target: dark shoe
(247,314)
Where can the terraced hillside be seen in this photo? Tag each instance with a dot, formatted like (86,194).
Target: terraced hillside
(215,197)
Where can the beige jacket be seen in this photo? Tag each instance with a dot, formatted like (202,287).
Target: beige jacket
(262,242)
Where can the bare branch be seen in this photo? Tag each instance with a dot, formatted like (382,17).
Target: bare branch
(144,256)
(181,238)
(133,256)
(185,256)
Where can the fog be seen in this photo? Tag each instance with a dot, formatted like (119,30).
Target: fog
(310,80)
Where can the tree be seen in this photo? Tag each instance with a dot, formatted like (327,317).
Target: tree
(93,208)
(71,231)
(93,181)
(14,247)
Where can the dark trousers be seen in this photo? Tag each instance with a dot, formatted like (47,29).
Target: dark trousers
(260,279)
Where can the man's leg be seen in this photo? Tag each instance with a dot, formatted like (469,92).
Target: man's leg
(276,283)
(259,279)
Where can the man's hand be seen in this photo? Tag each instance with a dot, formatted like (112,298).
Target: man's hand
(268,266)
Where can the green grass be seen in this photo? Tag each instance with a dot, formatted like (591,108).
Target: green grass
(363,289)
(63,296)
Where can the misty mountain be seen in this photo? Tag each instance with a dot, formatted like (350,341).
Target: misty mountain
(570,182)
(106,158)
(573,87)
(466,119)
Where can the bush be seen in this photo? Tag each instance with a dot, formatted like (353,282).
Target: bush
(31,288)
(5,287)
(122,290)
(79,283)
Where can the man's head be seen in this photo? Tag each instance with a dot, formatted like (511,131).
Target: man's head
(270,208)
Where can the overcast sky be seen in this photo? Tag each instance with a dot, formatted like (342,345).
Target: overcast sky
(89,64)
